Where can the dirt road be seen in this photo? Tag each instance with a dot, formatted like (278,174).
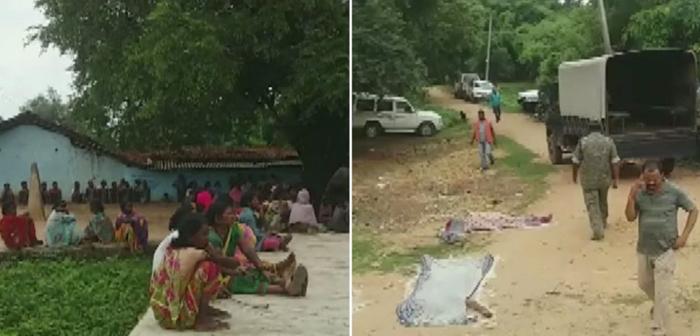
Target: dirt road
(554,281)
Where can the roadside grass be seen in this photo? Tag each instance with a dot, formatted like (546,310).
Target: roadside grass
(73,296)
(370,254)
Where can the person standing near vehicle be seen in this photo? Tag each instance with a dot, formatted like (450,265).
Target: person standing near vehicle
(596,156)
(483,132)
(655,202)
(495,102)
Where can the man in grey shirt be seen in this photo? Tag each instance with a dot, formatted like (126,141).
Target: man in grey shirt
(655,202)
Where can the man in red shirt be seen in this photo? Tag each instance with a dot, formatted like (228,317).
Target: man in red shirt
(17,231)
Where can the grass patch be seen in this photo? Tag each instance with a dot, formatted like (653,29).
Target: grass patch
(73,296)
(522,162)
(509,94)
(369,255)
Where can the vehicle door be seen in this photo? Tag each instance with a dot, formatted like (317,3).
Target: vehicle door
(406,116)
(386,114)
(362,111)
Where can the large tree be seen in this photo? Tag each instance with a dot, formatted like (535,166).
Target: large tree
(384,60)
(168,73)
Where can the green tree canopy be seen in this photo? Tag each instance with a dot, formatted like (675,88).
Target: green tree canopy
(168,73)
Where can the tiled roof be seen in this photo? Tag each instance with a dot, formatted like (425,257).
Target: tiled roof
(183,158)
(218,158)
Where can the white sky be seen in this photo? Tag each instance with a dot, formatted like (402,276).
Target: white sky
(26,72)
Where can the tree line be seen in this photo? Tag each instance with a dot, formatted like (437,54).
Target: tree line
(401,45)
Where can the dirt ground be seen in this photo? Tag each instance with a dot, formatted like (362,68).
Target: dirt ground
(553,281)
(324,311)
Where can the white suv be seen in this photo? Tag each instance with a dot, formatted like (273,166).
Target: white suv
(392,115)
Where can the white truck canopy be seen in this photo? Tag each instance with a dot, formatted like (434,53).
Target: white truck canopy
(582,91)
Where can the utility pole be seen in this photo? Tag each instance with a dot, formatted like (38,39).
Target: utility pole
(604,23)
(488,47)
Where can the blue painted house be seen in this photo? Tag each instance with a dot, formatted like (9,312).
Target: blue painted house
(66,156)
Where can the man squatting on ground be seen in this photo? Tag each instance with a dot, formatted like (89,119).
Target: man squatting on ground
(596,157)
(655,202)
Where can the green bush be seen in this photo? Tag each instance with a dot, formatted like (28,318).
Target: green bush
(73,296)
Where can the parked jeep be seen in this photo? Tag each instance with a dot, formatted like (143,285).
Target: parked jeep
(463,86)
(376,115)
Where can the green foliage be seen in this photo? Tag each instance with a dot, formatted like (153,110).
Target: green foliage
(384,61)
(73,297)
(369,255)
(568,35)
(649,28)
(672,24)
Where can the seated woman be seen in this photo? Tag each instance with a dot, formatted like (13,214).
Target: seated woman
(131,228)
(61,227)
(274,211)
(237,241)
(186,277)
(265,241)
(302,217)
(100,228)
(17,231)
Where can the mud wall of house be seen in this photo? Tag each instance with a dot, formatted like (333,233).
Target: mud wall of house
(58,160)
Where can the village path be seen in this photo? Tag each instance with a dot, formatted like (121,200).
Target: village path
(553,281)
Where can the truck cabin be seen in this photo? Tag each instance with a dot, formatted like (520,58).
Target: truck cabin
(650,91)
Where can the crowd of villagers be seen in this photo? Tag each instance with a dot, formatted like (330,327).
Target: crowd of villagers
(211,251)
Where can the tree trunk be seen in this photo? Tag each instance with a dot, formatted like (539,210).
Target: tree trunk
(323,147)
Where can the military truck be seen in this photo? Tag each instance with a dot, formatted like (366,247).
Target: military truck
(644,100)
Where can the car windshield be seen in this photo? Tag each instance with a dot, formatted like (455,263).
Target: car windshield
(484,85)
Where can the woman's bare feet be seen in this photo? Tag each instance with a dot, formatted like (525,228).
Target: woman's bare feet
(295,285)
(216,312)
(208,323)
(285,267)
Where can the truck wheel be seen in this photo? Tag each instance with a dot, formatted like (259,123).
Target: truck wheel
(555,153)
(372,130)
(426,129)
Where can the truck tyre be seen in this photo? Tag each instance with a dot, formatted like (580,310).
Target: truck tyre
(555,153)
(426,129)
(372,130)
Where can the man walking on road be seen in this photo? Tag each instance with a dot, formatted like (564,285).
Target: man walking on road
(495,102)
(596,156)
(655,202)
(483,132)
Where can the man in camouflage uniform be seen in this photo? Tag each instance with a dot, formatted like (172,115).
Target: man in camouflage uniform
(596,156)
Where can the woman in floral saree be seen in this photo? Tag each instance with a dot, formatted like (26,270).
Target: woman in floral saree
(237,241)
(187,276)
(131,228)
